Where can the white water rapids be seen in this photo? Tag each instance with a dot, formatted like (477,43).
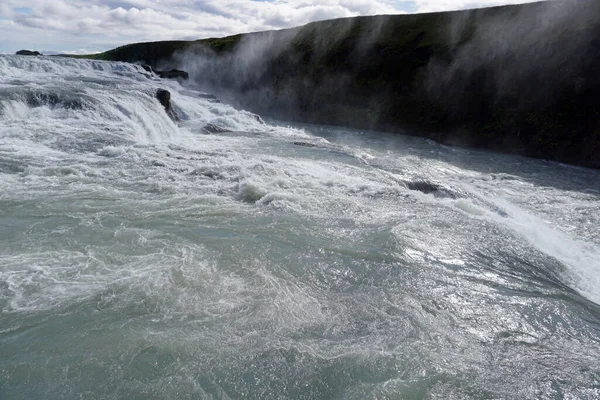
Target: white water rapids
(222,257)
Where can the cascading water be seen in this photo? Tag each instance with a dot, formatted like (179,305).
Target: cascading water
(146,258)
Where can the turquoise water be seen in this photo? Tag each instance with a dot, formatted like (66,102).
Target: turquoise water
(146,259)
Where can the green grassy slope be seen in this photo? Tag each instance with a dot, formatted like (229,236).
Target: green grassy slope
(521,79)
(155,53)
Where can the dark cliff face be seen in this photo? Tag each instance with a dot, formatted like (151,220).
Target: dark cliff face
(520,79)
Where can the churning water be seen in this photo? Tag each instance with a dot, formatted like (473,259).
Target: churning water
(220,257)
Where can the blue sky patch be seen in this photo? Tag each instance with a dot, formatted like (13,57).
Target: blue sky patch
(22,10)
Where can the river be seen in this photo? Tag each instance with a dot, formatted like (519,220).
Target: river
(223,257)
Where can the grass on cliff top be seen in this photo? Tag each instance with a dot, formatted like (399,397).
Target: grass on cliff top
(153,53)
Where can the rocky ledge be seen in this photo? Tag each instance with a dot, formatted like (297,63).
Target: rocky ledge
(28,53)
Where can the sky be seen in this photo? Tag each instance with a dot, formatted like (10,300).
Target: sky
(86,26)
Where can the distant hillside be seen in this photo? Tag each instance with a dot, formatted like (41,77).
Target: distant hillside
(521,79)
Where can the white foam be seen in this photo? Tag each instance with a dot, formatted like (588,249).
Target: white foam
(581,259)
(123,99)
(130,150)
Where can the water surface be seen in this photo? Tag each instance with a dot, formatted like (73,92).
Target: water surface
(142,258)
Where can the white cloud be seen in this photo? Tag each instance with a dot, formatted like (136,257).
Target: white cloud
(66,25)
(446,5)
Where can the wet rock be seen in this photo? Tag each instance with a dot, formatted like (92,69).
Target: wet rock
(54,100)
(305,144)
(150,72)
(423,186)
(28,53)
(164,97)
(173,74)
(212,128)
(430,188)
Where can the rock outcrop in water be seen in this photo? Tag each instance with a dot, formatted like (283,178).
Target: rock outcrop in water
(430,188)
(305,144)
(54,100)
(173,74)
(164,97)
(28,53)
(519,79)
(212,128)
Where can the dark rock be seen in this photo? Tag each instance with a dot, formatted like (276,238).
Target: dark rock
(173,74)
(28,53)
(423,186)
(304,144)
(164,97)
(430,188)
(54,100)
(212,128)
(147,67)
